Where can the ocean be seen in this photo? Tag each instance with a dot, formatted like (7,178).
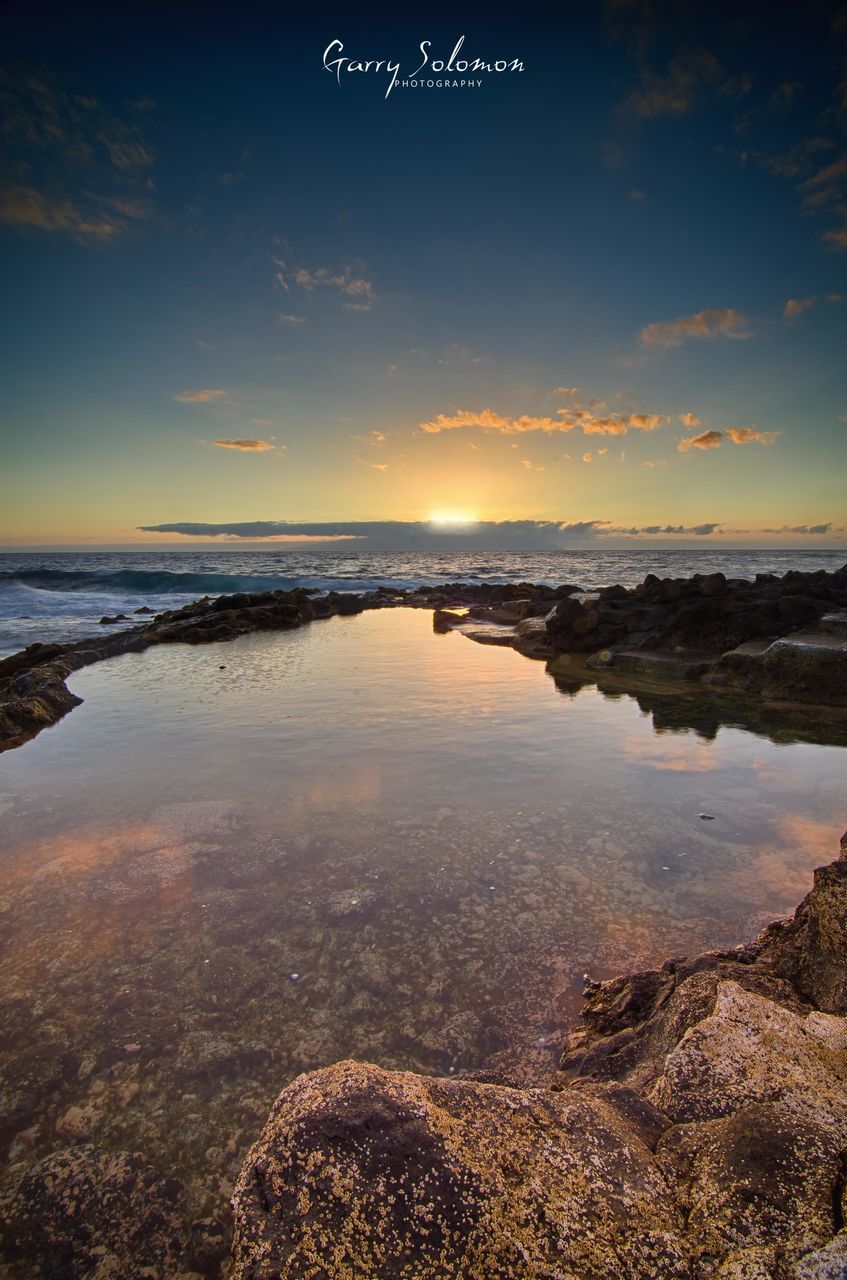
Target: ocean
(60,596)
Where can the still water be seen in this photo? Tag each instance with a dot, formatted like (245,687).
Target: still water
(238,862)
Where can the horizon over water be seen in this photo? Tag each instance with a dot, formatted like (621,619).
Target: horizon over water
(61,595)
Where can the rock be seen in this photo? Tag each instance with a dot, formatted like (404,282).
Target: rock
(834,623)
(808,666)
(371,1173)
(445,619)
(810,949)
(492,635)
(94,1215)
(351,904)
(663,667)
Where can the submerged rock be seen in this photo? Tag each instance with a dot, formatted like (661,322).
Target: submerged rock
(83,1212)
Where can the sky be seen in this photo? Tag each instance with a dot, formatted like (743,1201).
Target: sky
(589,292)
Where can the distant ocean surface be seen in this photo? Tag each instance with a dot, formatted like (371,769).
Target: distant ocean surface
(63,595)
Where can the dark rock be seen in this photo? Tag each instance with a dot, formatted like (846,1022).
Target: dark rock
(444,620)
(83,1212)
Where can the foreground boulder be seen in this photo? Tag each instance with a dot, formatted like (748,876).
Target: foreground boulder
(696,1127)
(365,1172)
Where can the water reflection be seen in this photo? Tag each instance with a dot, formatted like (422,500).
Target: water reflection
(237,863)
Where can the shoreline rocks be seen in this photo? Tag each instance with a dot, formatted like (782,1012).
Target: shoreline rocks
(779,639)
(696,1128)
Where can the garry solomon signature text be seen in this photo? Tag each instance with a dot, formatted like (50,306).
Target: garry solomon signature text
(337,63)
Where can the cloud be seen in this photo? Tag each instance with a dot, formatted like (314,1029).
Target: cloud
(25,207)
(530,466)
(837,237)
(372,437)
(378,466)
(675,92)
(796,307)
(586,457)
(737,86)
(488,420)
(738,435)
(346,282)
(568,419)
(283,318)
(750,435)
(650,463)
(714,322)
(814,529)
(246,446)
(690,420)
(206,396)
(507,535)
(612,424)
(650,530)
(71,164)
(706,440)
(399,534)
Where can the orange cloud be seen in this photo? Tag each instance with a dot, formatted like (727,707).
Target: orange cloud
(612,424)
(749,435)
(245,446)
(738,435)
(568,419)
(714,322)
(490,421)
(690,420)
(706,440)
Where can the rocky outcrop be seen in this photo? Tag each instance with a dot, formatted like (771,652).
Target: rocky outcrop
(708,612)
(697,1128)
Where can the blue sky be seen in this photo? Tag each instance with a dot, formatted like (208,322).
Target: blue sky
(603,292)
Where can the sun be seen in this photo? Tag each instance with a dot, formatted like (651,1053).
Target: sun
(452,519)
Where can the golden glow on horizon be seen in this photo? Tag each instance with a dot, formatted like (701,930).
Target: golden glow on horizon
(453,519)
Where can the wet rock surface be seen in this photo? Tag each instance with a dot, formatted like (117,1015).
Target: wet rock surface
(696,1127)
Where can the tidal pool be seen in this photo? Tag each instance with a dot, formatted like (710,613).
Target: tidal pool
(238,862)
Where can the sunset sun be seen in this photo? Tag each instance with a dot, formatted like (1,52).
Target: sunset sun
(452,519)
